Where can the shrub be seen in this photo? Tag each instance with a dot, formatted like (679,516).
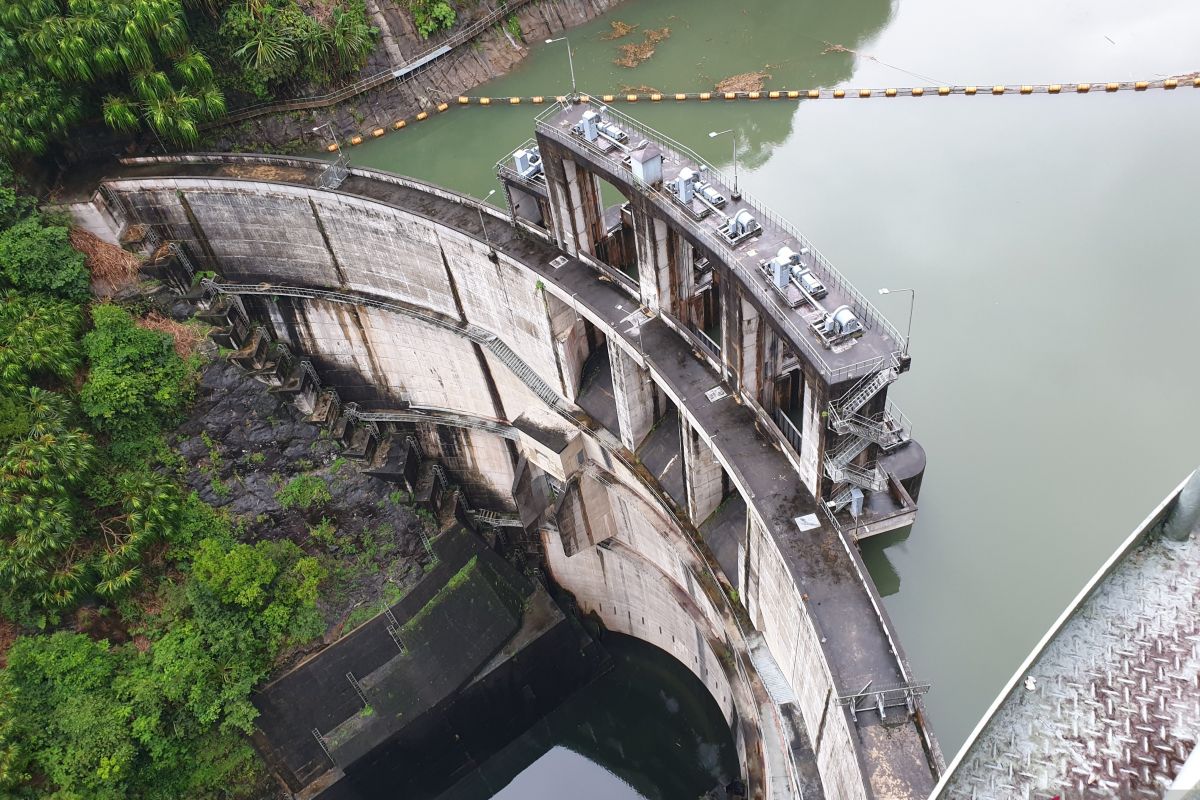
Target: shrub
(39,258)
(430,16)
(304,492)
(38,335)
(137,382)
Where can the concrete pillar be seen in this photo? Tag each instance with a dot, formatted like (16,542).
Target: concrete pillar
(811,433)
(656,254)
(633,391)
(750,350)
(749,556)
(569,198)
(703,477)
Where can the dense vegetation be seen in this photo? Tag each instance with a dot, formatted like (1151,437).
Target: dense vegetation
(162,65)
(99,544)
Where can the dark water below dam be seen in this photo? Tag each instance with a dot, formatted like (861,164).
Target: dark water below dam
(645,730)
(1046,236)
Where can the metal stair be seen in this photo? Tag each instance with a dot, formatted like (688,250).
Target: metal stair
(768,670)
(847,452)
(864,390)
(522,370)
(841,498)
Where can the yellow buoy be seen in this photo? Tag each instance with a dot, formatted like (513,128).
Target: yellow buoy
(462,101)
(356,139)
(705,95)
(890,92)
(1027,89)
(943,91)
(514,101)
(970,90)
(654,98)
(1083,88)
(442,107)
(1170,83)
(485,101)
(332,148)
(772,95)
(793,95)
(813,94)
(1054,88)
(1141,86)
(423,115)
(754,95)
(917,91)
(631,98)
(400,123)
(731,95)
(378,132)
(839,93)
(537,99)
(997,90)
(608,98)
(1111,87)
(864,92)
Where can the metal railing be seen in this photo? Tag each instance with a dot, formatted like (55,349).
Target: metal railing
(788,429)
(453,40)
(748,276)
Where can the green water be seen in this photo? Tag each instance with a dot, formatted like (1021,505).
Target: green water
(1049,240)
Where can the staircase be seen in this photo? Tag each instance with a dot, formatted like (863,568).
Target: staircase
(521,370)
(885,429)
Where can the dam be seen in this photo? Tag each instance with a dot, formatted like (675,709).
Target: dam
(654,396)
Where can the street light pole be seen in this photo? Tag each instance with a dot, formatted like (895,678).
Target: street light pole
(912,301)
(479,208)
(714,134)
(570,59)
(332,134)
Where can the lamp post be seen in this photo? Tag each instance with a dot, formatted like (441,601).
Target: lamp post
(332,135)
(714,134)
(479,208)
(912,295)
(570,60)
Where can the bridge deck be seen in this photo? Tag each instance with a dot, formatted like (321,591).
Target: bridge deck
(845,360)
(856,642)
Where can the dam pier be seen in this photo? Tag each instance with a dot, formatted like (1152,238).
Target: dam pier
(674,401)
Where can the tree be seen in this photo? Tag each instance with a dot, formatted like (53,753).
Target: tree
(39,258)
(72,726)
(136,381)
(40,472)
(135,53)
(38,335)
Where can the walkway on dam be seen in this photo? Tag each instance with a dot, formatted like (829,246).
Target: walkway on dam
(856,643)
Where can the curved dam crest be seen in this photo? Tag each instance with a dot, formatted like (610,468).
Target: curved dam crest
(415,302)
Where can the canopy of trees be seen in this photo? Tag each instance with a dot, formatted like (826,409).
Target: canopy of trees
(159,64)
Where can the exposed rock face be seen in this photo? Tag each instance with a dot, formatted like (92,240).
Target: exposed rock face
(490,55)
(243,445)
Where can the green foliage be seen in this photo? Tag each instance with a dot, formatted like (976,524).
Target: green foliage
(136,381)
(39,258)
(304,492)
(100,722)
(514,27)
(430,16)
(59,57)
(274,41)
(70,722)
(40,473)
(38,336)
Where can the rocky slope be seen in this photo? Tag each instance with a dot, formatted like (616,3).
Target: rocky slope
(251,454)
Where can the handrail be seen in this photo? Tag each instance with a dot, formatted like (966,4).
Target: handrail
(452,41)
(747,276)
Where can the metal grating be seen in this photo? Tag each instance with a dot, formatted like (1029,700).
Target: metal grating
(1114,701)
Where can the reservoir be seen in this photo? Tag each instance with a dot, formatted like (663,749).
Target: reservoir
(1048,241)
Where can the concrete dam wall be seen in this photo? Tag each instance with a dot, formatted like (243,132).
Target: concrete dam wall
(657,495)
